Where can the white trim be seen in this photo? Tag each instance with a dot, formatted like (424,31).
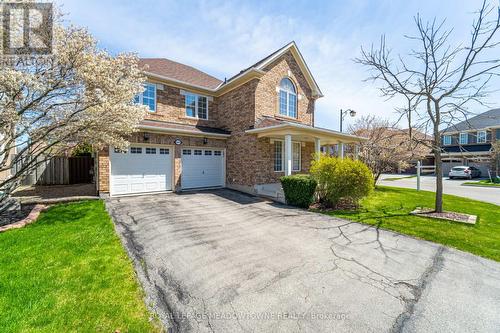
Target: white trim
(445,143)
(182,131)
(307,128)
(485,137)
(301,58)
(207,148)
(172,158)
(283,160)
(288,93)
(196,101)
(466,138)
(222,85)
(141,96)
(187,92)
(300,156)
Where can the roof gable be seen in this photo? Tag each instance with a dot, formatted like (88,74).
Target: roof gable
(166,69)
(486,119)
(263,63)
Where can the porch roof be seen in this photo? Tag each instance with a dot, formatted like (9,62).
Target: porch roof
(300,132)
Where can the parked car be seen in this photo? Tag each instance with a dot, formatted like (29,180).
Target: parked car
(464,172)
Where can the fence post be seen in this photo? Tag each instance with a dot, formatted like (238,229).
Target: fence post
(418,175)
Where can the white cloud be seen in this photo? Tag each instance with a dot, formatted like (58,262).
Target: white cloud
(224,37)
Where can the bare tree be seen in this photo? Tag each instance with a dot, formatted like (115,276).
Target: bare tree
(438,80)
(388,148)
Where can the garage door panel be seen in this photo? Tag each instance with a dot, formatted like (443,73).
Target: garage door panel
(140,172)
(202,168)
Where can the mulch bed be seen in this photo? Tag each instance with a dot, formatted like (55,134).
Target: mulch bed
(12,217)
(449,216)
(15,220)
(341,205)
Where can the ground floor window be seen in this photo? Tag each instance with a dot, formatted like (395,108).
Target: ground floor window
(279,156)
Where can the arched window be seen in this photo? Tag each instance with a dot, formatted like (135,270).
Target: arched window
(288,98)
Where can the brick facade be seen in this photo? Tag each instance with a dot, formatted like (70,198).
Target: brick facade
(249,160)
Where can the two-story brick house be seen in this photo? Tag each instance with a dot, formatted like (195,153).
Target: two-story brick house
(243,133)
(469,142)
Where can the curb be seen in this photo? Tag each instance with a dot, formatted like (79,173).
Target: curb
(479,185)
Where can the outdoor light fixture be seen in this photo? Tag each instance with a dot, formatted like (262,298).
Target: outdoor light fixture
(146,137)
(205,141)
(343,113)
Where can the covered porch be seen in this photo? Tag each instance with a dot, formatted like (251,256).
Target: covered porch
(293,132)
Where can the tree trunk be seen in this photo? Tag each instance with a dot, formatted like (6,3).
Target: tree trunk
(439,180)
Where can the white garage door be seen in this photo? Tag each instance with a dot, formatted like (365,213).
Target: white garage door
(202,168)
(141,169)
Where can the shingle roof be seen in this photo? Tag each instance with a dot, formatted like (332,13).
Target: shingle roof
(192,128)
(179,72)
(487,119)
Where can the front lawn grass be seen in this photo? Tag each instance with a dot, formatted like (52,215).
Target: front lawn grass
(68,272)
(389,208)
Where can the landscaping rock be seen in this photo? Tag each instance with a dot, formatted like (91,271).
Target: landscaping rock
(449,216)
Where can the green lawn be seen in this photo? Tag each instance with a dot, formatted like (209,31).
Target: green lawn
(68,272)
(484,182)
(389,207)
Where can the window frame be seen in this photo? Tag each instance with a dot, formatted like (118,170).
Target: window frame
(196,105)
(462,134)
(300,155)
(288,93)
(485,137)
(298,143)
(446,142)
(139,99)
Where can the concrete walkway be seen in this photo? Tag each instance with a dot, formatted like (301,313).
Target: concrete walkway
(222,261)
(450,186)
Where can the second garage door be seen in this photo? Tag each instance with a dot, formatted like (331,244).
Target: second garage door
(202,168)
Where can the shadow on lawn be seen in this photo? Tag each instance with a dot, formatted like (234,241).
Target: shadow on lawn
(64,213)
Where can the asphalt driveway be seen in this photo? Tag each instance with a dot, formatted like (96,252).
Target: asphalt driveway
(222,261)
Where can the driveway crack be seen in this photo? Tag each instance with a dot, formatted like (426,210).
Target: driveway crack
(425,279)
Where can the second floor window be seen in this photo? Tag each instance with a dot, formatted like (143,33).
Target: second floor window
(288,98)
(447,139)
(464,138)
(196,106)
(147,97)
(481,137)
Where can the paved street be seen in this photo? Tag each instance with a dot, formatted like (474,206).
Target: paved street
(451,186)
(222,261)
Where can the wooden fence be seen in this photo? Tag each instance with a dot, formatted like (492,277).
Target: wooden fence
(61,170)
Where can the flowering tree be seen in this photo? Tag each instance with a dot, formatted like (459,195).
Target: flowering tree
(76,94)
(388,148)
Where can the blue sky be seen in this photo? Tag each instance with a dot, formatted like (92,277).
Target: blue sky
(223,37)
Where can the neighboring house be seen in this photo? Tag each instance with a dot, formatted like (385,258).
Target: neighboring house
(469,142)
(242,133)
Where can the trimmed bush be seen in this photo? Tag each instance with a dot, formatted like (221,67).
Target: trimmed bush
(299,190)
(341,179)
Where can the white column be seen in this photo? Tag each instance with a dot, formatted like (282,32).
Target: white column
(288,155)
(317,147)
(341,150)
(356,151)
